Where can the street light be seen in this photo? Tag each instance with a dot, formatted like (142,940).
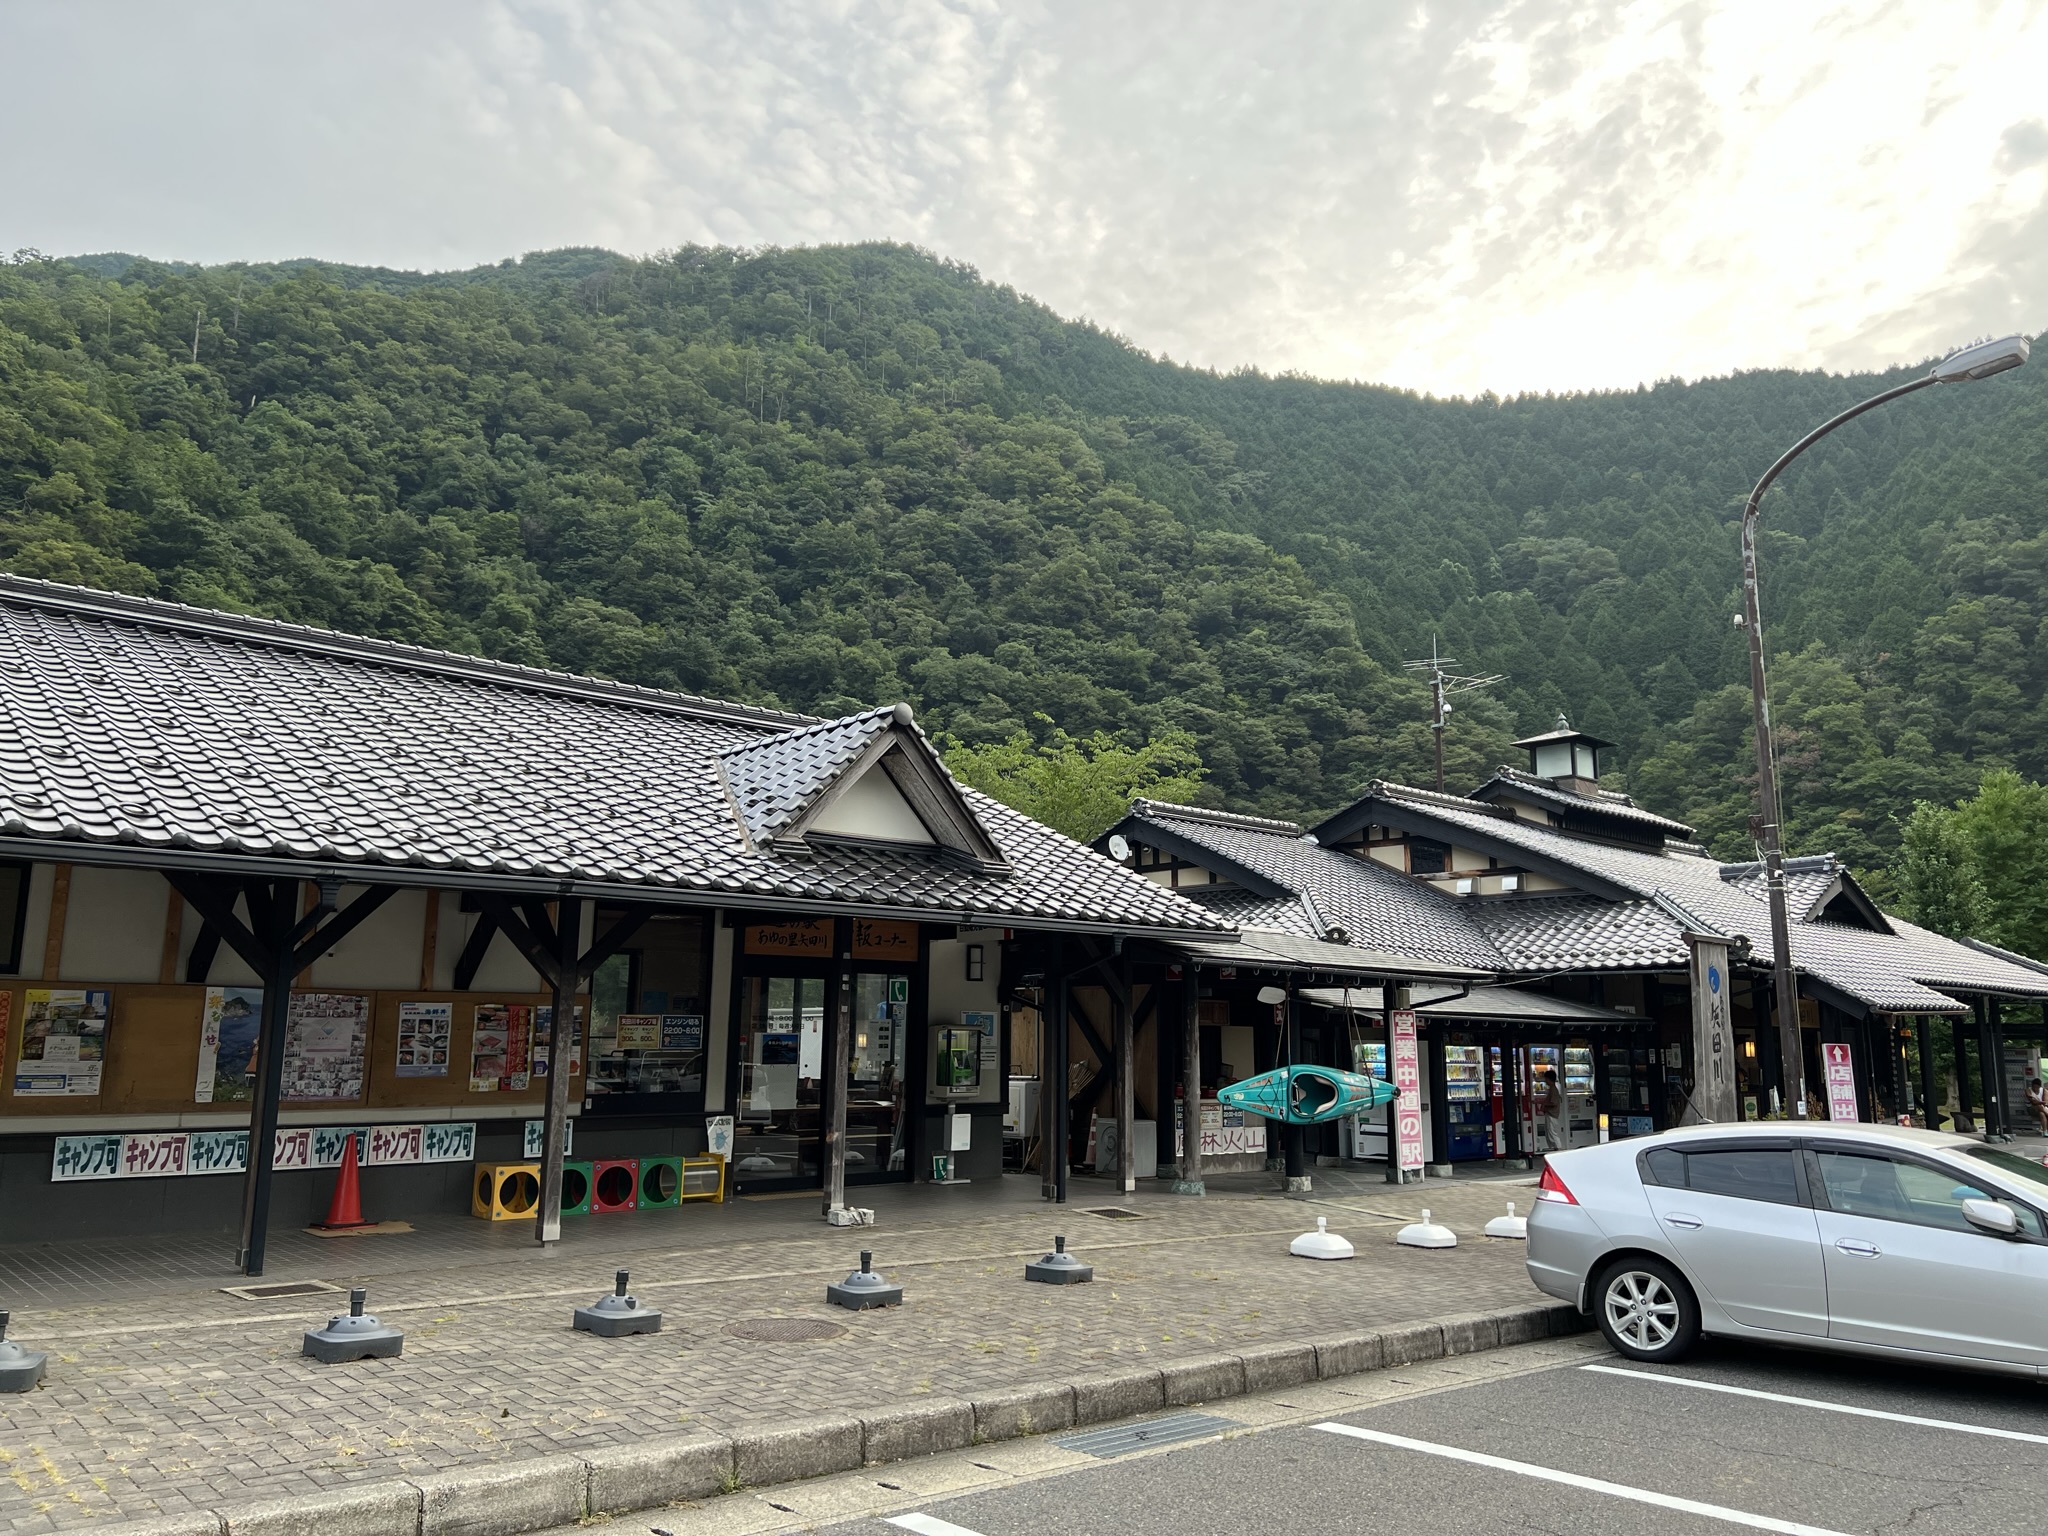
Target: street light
(1980,361)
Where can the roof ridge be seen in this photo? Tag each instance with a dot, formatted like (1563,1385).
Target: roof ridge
(1202,813)
(63,597)
(1392,790)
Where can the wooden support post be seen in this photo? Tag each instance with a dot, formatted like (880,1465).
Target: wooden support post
(430,938)
(1991,1063)
(1190,1165)
(837,1069)
(1061,1072)
(1964,1119)
(273,930)
(60,911)
(1294,1138)
(1930,1093)
(1126,1080)
(174,932)
(562,975)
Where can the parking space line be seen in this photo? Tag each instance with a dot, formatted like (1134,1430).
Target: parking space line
(1591,1484)
(1815,1402)
(929,1525)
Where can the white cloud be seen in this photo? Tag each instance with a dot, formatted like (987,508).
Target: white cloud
(1456,197)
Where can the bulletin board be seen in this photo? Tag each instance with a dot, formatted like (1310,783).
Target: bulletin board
(153,1048)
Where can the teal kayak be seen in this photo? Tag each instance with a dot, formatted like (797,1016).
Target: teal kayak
(1307,1095)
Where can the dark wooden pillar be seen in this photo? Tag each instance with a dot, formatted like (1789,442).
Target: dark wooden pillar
(562,976)
(1930,1090)
(1119,974)
(1960,1029)
(1190,1165)
(1510,1097)
(1060,1074)
(1997,1117)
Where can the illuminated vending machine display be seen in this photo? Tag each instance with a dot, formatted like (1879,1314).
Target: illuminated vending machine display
(1470,1107)
(1580,1103)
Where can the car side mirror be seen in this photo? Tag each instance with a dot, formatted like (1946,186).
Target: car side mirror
(1991,1216)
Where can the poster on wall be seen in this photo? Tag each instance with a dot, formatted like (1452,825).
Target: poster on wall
(230,1023)
(682,1031)
(424,1030)
(639,1032)
(325,1037)
(543,1022)
(63,1042)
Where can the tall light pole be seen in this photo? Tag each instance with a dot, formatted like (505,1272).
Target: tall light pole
(1975,362)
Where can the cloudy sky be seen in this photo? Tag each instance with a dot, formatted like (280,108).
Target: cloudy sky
(1457,196)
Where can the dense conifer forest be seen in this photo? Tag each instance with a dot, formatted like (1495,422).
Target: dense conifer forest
(825,478)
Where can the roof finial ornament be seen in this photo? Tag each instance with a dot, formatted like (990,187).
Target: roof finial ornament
(1562,723)
(903,714)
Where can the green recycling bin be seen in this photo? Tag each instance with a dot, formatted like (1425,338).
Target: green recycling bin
(661,1182)
(576,1188)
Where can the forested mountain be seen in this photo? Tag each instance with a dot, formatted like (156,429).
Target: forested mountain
(827,477)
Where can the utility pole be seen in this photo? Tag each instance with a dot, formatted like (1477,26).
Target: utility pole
(1442,684)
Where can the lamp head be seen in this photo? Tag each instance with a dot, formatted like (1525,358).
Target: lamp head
(1981,360)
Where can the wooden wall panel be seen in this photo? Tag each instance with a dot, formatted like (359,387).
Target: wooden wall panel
(152,1050)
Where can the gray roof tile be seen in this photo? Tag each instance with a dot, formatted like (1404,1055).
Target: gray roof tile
(125,722)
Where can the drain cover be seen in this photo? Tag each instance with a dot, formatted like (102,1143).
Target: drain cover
(1122,1439)
(282,1288)
(1114,1213)
(783,1330)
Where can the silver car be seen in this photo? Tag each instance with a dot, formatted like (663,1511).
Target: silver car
(1872,1239)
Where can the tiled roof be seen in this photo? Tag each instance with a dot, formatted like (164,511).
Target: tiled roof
(1513,783)
(1898,972)
(1377,908)
(177,734)
(1569,931)
(775,778)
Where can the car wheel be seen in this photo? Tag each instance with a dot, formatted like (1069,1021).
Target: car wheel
(1646,1310)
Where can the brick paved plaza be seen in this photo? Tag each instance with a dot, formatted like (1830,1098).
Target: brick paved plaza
(166,1395)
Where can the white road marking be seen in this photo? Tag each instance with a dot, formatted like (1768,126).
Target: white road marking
(1574,1480)
(1814,1402)
(929,1525)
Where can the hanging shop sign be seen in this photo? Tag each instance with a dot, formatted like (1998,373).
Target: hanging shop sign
(1839,1066)
(424,1036)
(1408,1091)
(63,1042)
(801,936)
(875,939)
(173,1154)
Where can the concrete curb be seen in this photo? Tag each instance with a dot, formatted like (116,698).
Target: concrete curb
(510,1498)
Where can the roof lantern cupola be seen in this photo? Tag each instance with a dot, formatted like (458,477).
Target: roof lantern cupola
(1569,759)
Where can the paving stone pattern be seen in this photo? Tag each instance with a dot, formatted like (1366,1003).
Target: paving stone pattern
(192,1399)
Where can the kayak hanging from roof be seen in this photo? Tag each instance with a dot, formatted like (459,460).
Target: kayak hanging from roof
(1307,1095)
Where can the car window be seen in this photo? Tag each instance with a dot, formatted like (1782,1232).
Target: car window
(1860,1185)
(1748,1174)
(1666,1166)
(2011,1164)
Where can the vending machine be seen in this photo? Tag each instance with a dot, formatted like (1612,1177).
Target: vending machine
(1581,1104)
(1469,1107)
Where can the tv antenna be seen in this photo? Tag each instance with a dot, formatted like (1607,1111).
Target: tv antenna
(1443,682)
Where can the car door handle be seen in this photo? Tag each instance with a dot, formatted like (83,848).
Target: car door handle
(1687,1222)
(1857,1246)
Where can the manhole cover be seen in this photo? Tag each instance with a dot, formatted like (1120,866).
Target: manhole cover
(783,1330)
(282,1288)
(1115,1213)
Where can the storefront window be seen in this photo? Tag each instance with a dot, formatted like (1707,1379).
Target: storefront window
(648,1035)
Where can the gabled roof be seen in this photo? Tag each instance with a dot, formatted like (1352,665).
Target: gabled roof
(136,732)
(1298,886)
(782,786)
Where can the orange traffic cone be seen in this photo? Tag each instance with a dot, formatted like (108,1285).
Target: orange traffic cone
(346,1208)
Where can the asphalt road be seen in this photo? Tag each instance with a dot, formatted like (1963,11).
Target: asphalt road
(1739,1438)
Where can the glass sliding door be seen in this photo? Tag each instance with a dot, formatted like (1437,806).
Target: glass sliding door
(778,1119)
(876,1126)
